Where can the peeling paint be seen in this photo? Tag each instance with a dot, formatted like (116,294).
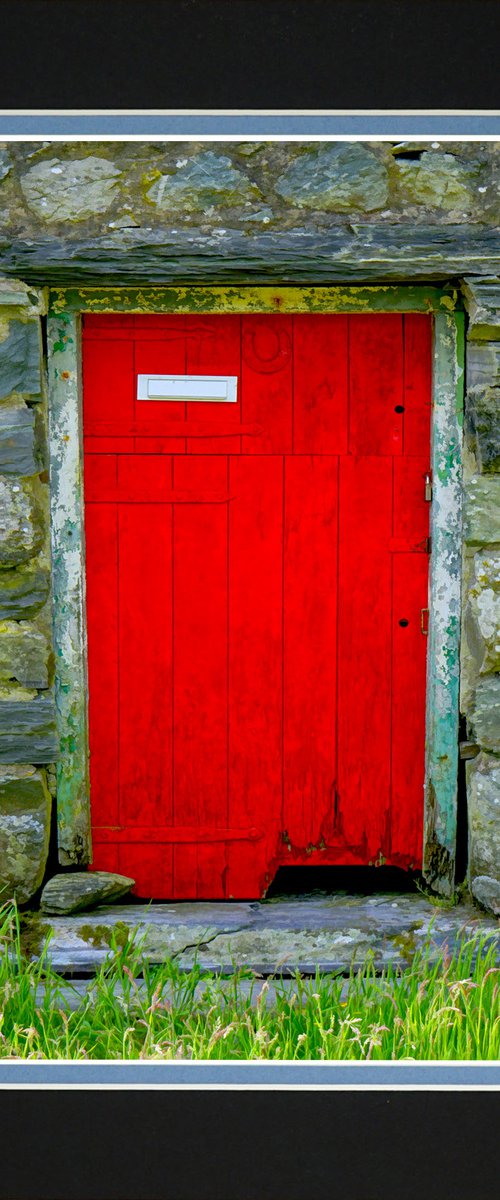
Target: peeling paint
(445,605)
(193,299)
(69,590)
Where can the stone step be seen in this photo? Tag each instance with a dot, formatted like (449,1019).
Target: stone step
(329,933)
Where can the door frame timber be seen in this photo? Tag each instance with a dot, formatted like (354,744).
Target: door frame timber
(66,305)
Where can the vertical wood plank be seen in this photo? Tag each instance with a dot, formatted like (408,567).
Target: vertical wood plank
(213,347)
(364,650)
(410,588)
(411,510)
(255,667)
(200,672)
(376,384)
(145,651)
(160,357)
(108,383)
(417,330)
(320,384)
(310,636)
(267,382)
(101,533)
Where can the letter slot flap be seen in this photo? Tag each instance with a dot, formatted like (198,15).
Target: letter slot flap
(214,388)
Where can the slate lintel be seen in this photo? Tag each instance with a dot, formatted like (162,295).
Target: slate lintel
(358,251)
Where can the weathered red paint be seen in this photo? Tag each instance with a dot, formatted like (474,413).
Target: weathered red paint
(255,578)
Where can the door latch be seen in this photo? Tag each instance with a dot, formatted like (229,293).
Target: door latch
(428,488)
(424,621)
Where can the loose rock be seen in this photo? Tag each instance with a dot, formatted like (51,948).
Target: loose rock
(76,892)
(487,893)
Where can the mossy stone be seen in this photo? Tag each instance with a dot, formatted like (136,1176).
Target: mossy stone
(24,654)
(439,181)
(23,590)
(21,532)
(25,807)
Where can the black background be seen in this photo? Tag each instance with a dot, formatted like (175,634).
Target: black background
(272,1145)
(249,53)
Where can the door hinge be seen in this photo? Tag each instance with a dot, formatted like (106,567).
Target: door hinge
(428,488)
(424,620)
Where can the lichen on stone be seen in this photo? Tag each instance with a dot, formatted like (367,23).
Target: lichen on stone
(70,190)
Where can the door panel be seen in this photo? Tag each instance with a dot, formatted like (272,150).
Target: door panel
(256,574)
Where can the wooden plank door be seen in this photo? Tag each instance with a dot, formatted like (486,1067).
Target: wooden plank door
(256,574)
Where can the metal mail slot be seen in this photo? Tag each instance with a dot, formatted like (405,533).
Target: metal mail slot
(218,388)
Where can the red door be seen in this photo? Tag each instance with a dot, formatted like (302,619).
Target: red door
(256,573)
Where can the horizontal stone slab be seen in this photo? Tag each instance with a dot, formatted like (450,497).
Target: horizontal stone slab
(353,252)
(18,451)
(274,937)
(25,808)
(23,590)
(28,731)
(20,359)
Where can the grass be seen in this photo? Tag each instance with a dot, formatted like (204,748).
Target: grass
(135,1010)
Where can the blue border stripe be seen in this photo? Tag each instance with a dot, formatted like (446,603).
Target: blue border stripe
(148,125)
(229,1074)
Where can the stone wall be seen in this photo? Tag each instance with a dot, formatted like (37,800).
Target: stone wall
(27,713)
(148,213)
(481,600)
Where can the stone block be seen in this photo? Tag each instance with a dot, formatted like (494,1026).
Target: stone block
(6,163)
(482,611)
(336,178)
(71,190)
(439,181)
(79,890)
(28,732)
(25,807)
(482,295)
(482,365)
(24,654)
(483,426)
(201,181)
(21,529)
(482,511)
(18,450)
(20,358)
(487,893)
(483,791)
(485,715)
(23,590)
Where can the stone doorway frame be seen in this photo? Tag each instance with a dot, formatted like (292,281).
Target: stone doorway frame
(66,305)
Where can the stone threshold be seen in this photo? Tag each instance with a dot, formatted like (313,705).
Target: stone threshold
(327,933)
